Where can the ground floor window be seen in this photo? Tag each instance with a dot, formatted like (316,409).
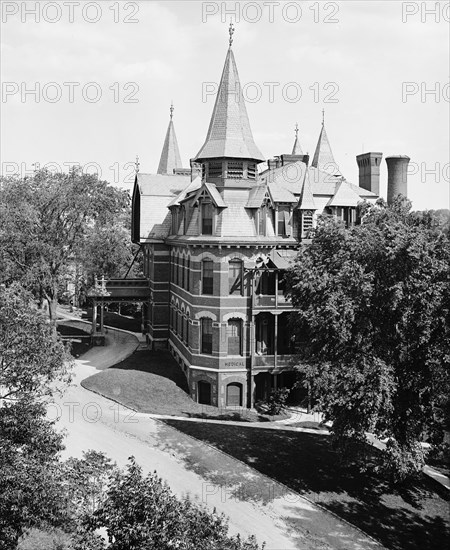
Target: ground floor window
(234,395)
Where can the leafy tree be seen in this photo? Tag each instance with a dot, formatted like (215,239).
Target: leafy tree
(141,513)
(49,222)
(374,301)
(276,402)
(32,364)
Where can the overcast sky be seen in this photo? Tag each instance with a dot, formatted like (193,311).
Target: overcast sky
(379,69)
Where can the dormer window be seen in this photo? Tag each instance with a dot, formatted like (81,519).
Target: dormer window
(261,218)
(207,214)
(284,221)
(174,221)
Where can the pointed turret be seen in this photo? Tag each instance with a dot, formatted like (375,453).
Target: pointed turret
(229,134)
(170,155)
(297,150)
(323,157)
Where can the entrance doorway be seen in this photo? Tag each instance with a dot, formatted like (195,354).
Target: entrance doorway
(204,392)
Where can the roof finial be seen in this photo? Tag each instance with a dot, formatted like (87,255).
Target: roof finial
(323,117)
(296,130)
(171,110)
(137,164)
(231,32)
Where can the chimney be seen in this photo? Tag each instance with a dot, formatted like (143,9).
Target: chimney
(369,171)
(397,176)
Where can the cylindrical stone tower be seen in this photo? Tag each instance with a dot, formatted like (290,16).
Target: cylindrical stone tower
(397,176)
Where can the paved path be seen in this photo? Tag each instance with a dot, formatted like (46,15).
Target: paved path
(279,516)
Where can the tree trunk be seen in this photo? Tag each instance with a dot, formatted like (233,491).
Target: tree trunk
(52,304)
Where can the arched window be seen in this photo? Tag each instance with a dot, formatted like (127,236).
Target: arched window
(182,272)
(188,273)
(235,277)
(175,270)
(206,336)
(234,334)
(182,325)
(187,332)
(234,395)
(207,277)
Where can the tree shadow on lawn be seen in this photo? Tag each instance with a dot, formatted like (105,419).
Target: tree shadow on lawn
(160,363)
(398,516)
(153,382)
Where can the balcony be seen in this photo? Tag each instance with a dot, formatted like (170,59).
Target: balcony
(120,290)
(269,360)
(262,301)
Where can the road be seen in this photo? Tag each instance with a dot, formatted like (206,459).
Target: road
(280,517)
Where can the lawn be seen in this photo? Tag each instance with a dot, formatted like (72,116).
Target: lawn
(411,517)
(153,382)
(81,339)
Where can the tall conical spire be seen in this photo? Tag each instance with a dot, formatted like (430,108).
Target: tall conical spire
(323,157)
(296,150)
(229,134)
(170,155)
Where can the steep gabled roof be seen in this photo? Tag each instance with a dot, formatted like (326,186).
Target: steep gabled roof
(161,184)
(323,156)
(229,134)
(297,150)
(193,186)
(280,194)
(211,190)
(170,155)
(344,196)
(256,196)
(306,201)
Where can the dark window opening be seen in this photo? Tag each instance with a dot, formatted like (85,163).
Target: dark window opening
(235,276)
(207,277)
(206,336)
(207,218)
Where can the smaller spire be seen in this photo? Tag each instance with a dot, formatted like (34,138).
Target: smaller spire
(172,108)
(323,117)
(137,165)
(296,149)
(231,32)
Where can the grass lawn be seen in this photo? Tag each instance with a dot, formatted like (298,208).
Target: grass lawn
(152,382)
(80,344)
(411,517)
(117,321)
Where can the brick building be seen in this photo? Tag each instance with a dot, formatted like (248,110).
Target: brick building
(217,239)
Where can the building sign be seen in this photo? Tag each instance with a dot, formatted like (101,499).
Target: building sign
(235,364)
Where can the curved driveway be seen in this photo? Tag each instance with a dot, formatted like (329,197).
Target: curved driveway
(280,517)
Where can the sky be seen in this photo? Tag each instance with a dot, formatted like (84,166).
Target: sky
(104,75)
